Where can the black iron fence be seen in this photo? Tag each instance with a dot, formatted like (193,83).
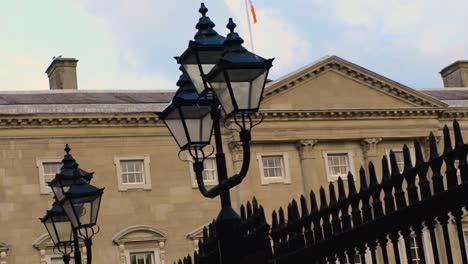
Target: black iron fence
(383,222)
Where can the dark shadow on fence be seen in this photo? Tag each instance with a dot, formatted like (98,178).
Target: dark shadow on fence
(350,224)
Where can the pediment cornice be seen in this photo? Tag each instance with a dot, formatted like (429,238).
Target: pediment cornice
(357,73)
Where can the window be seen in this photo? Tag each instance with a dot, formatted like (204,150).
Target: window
(133,172)
(142,258)
(47,168)
(274,167)
(338,164)
(210,173)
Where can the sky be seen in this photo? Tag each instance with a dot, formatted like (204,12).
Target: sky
(130,44)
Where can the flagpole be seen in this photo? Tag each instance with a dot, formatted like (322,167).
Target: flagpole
(250,25)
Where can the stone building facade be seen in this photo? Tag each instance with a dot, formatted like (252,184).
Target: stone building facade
(319,122)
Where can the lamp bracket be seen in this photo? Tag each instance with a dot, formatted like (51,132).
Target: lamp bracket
(88,232)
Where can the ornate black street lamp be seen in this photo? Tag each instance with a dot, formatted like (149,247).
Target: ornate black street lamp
(78,203)
(60,230)
(233,80)
(81,204)
(188,116)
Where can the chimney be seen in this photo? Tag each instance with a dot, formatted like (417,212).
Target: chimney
(456,74)
(62,74)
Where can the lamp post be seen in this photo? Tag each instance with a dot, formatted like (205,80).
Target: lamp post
(78,203)
(218,75)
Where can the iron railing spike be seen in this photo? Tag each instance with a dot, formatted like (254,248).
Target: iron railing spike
(447,141)
(341,190)
(372,175)
(304,209)
(351,185)
(332,194)
(323,199)
(313,202)
(458,134)
(362,180)
(418,153)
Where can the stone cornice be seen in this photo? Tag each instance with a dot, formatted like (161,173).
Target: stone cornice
(356,73)
(353,114)
(149,119)
(32,121)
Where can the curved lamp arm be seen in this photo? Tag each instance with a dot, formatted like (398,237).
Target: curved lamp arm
(231,181)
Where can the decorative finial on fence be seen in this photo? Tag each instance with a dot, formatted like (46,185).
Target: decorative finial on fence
(331,189)
(313,203)
(295,210)
(351,185)
(323,199)
(447,142)
(419,153)
(372,175)
(304,209)
(341,190)
(274,220)
(434,154)
(407,158)
(242,213)
(249,210)
(282,221)
(362,180)
(458,135)
(255,205)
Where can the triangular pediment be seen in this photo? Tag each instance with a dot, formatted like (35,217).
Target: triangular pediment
(334,83)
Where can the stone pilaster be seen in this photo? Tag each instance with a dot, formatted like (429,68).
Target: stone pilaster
(122,257)
(162,251)
(369,150)
(42,253)
(237,157)
(307,156)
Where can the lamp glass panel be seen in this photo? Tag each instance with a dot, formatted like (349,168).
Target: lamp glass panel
(70,211)
(199,123)
(220,87)
(199,128)
(246,93)
(49,225)
(64,230)
(195,75)
(175,124)
(86,209)
(94,210)
(177,129)
(57,189)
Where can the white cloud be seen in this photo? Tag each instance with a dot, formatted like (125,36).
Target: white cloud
(273,36)
(431,27)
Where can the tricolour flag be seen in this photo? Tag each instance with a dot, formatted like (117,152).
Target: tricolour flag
(252,10)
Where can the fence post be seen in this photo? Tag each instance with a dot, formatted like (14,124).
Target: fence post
(228,235)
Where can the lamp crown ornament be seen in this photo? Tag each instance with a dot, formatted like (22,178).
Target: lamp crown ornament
(206,34)
(70,168)
(233,41)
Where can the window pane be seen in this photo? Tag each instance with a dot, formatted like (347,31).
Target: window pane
(132,171)
(209,173)
(50,169)
(273,166)
(338,164)
(399,159)
(142,258)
